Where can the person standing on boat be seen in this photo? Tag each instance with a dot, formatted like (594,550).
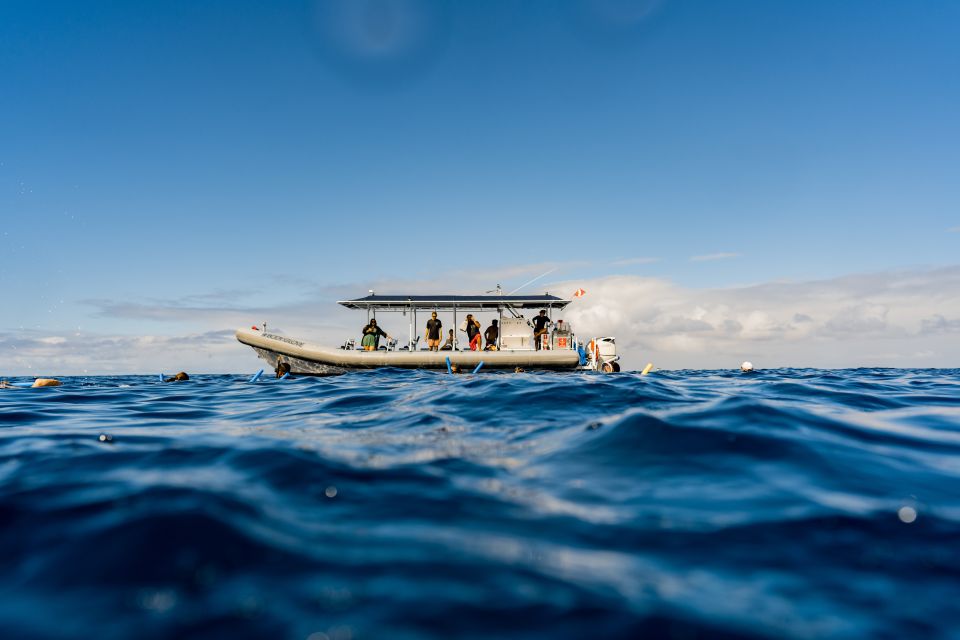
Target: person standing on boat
(433,332)
(540,324)
(371,336)
(490,335)
(473,331)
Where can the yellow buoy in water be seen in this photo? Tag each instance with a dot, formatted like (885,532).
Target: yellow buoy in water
(647,369)
(46,382)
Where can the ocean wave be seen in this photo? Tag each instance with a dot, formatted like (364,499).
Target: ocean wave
(785,504)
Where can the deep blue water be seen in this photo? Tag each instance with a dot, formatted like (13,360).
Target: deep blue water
(395,504)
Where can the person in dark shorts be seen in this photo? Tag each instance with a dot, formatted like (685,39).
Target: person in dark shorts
(371,336)
(540,324)
(433,332)
(490,335)
(473,332)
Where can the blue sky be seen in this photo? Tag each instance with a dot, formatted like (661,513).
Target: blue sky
(270,155)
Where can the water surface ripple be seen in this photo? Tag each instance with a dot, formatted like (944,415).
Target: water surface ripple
(688,504)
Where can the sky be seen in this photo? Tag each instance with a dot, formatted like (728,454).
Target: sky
(729,180)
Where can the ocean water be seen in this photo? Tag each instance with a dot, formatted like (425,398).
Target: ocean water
(397,504)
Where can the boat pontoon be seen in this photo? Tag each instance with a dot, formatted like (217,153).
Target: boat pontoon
(559,349)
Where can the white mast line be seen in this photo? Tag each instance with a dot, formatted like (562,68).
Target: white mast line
(526,284)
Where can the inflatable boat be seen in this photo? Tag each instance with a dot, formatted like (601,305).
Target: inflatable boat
(516,347)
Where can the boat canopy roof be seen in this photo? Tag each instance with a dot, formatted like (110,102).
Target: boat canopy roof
(449,303)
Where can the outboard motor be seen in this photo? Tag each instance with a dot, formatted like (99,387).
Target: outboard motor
(603,355)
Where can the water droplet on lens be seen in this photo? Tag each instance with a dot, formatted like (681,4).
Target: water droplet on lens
(341,632)
(250,606)
(105,437)
(159,601)
(206,575)
(330,492)
(907,514)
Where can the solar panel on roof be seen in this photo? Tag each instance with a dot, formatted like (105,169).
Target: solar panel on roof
(451,301)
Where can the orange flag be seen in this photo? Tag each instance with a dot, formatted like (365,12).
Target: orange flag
(579,293)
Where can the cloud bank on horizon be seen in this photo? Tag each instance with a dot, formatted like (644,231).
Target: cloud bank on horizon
(906,318)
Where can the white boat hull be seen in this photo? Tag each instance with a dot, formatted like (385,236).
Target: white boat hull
(310,359)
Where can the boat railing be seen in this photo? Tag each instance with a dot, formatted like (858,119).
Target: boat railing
(557,339)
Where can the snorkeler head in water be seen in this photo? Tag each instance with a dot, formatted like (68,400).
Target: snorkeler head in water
(39,382)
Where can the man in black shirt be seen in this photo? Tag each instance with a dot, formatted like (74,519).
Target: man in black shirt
(433,332)
(490,335)
(540,324)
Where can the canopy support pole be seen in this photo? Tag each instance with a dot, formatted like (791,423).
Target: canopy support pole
(499,326)
(413,321)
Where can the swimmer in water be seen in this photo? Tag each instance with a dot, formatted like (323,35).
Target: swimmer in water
(282,369)
(39,382)
(180,377)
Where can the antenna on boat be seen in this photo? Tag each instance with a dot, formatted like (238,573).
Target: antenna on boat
(498,290)
(526,284)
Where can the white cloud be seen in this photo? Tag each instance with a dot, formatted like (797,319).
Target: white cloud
(28,353)
(858,319)
(883,319)
(627,262)
(954,229)
(902,318)
(937,324)
(710,257)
